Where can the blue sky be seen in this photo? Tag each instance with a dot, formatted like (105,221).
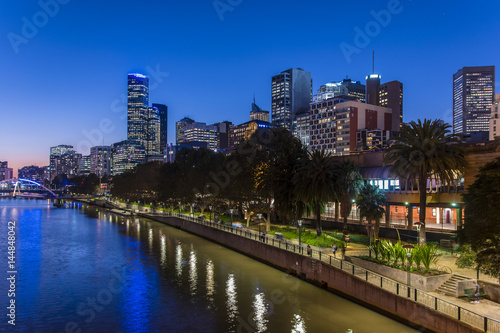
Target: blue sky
(68,77)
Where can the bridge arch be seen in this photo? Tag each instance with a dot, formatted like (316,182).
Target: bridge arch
(16,181)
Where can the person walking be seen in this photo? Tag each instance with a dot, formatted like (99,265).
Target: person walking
(334,250)
(309,250)
(477,293)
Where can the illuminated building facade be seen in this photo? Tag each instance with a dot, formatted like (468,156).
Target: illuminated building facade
(291,92)
(201,132)
(179,129)
(101,159)
(126,155)
(494,121)
(137,107)
(473,95)
(244,131)
(347,87)
(391,96)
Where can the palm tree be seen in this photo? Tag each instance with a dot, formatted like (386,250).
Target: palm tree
(425,149)
(370,204)
(347,185)
(313,182)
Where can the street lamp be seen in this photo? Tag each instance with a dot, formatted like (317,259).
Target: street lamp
(409,247)
(210,208)
(231,211)
(299,223)
(260,217)
(192,209)
(179,207)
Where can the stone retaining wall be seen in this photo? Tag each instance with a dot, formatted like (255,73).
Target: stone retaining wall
(320,273)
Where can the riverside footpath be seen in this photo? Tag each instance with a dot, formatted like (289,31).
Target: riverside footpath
(429,310)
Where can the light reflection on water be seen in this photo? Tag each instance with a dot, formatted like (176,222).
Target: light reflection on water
(69,255)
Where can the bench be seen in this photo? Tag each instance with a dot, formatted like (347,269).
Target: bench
(469,293)
(279,235)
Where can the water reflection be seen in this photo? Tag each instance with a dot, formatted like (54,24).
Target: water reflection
(163,252)
(298,324)
(210,282)
(232,302)
(193,273)
(178,261)
(260,308)
(150,239)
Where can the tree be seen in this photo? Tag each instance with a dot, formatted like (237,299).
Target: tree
(370,204)
(314,182)
(348,182)
(482,227)
(425,149)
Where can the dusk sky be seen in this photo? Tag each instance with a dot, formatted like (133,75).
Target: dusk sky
(69,74)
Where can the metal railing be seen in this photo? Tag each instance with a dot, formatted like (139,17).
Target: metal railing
(400,289)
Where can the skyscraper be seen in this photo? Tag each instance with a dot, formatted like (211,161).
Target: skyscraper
(138,101)
(494,121)
(473,95)
(391,96)
(291,94)
(101,160)
(372,89)
(163,113)
(258,114)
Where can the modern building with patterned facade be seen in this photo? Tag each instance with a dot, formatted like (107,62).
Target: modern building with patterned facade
(258,114)
(291,92)
(335,124)
(473,95)
(126,155)
(301,126)
(84,169)
(162,111)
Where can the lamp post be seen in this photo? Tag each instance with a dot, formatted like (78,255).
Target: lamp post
(210,208)
(409,247)
(299,223)
(260,217)
(192,209)
(179,207)
(231,212)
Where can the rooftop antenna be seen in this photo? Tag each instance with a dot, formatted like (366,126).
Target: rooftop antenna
(253,98)
(373,62)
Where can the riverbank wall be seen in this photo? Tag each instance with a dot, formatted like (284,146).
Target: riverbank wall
(328,277)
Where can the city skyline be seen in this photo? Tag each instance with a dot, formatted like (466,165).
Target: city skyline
(193,71)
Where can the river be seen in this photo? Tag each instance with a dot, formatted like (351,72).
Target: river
(83,269)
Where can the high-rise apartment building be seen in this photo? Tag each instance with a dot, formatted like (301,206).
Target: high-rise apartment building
(473,95)
(5,172)
(301,127)
(391,96)
(163,114)
(291,92)
(101,160)
(179,129)
(495,121)
(322,130)
(84,169)
(56,152)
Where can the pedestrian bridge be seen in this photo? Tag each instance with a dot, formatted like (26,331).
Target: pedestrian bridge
(19,187)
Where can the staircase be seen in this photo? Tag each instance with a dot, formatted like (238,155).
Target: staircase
(449,288)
